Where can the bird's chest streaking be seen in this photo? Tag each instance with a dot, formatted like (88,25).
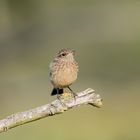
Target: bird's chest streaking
(64,74)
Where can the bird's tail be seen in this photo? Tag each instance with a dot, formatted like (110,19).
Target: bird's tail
(56,91)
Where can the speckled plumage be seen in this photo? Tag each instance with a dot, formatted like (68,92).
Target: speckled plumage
(63,69)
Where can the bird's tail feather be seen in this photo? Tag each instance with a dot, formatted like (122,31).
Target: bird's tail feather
(56,91)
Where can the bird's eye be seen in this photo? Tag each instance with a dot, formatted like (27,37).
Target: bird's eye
(63,54)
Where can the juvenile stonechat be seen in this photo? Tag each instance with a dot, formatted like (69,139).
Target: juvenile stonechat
(63,71)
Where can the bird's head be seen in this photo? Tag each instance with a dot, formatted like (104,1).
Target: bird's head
(66,54)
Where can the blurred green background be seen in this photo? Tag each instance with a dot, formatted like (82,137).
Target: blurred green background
(106,37)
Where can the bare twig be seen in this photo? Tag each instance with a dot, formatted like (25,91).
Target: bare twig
(56,107)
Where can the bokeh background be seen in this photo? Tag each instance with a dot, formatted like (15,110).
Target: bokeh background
(106,37)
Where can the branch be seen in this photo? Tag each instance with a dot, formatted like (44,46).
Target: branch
(58,106)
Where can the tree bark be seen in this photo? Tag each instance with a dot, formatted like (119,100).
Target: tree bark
(64,103)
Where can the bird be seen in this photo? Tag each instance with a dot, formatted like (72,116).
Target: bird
(63,71)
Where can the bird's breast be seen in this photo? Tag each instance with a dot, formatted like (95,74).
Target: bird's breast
(65,74)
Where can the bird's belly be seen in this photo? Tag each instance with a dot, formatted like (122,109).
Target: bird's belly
(65,77)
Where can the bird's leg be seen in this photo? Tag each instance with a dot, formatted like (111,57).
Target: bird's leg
(58,95)
(74,94)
